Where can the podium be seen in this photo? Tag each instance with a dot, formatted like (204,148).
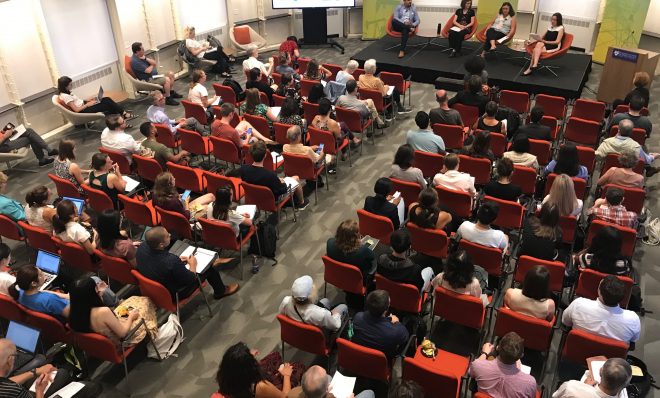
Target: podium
(620,67)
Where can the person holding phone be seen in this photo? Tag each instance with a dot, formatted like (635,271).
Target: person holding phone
(23,137)
(167,197)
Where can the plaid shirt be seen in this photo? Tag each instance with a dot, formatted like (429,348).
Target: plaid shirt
(616,215)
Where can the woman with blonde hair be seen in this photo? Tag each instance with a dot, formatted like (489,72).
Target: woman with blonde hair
(253,106)
(562,195)
(201,51)
(167,197)
(346,247)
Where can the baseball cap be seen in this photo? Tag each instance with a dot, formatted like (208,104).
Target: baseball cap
(302,287)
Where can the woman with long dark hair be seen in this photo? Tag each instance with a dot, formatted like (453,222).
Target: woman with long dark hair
(604,254)
(426,212)
(107,106)
(480,147)
(568,162)
(221,209)
(542,236)
(550,42)
(316,71)
(37,211)
(65,167)
(460,276)
(165,195)
(290,113)
(464,20)
(253,106)
(106,177)
(534,297)
(382,203)
(67,227)
(26,290)
(402,167)
(112,240)
(501,26)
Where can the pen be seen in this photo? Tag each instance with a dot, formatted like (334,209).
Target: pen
(194,251)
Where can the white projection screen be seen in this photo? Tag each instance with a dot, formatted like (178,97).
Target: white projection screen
(312,3)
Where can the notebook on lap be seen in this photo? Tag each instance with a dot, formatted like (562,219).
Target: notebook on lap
(49,264)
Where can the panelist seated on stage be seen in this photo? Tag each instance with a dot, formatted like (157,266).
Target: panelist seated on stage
(405,19)
(550,42)
(464,21)
(503,24)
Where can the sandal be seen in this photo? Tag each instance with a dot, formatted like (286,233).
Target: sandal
(130,116)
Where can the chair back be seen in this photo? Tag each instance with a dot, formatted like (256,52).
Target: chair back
(116,268)
(186,177)
(612,160)
(98,346)
(226,93)
(346,277)
(11,310)
(623,108)
(489,258)
(260,196)
(629,236)
(553,123)
(362,361)
(458,308)
(334,68)
(635,197)
(536,332)
(376,96)
(97,199)
(582,131)
(432,242)
(469,114)
(280,132)
(525,178)
(358,72)
(552,105)
(353,119)
(64,187)
(638,134)
(127,66)
(587,157)
(310,110)
(511,213)
(376,226)
(306,86)
(74,255)
(213,181)
(555,268)
(568,225)
(409,190)
(225,150)
(479,168)
(259,123)
(430,163)
(436,382)
(155,291)
(318,136)
(451,135)
(197,111)
(194,143)
(589,110)
(219,234)
(458,201)
(119,158)
(147,168)
(38,238)
(542,149)
(589,280)
(302,64)
(299,165)
(305,337)
(517,100)
(263,97)
(497,144)
(269,160)
(579,184)
(52,329)
(447,27)
(580,345)
(566,43)
(175,222)
(278,100)
(403,296)
(139,212)
(277,79)
(164,136)
(394,79)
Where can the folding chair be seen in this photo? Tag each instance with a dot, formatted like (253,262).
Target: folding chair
(579,184)
(194,143)
(443,379)
(542,149)
(637,134)
(220,234)
(147,168)
(510,216)
(379,100)
(330,147)
(629,236)
(226,93)
(555,268)
(280,132)
(479,168)
(589,281)
(582,131)
(187,177)
(489,258)
(263,198)
(116,268)
(431,242)
(65,187)
(353,121)
(165,136)
(310,110)
(525,178)
(97,199)
(469,114)
(589,110)
(401,84)
(306,86)
(409,190)
(346,277)
(75,256)
(552,105)
(451,135)
(139,212)
(430,163)
(498,144)
(119,158)
(580,345)
(162,297)
(517,100)
(305,337)
(197,111)
(38,238)
(457,201)
(214,181)
(376,226)
(635,197)
(176,223)
(303,167)
(225,150)
(334,68)
(458,308)
(587,157)
(362,361)
(612,160)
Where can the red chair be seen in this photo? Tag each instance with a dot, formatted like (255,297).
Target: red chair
(542,149)
(511,214)
(589,280)
(139,212)
(194,143)
(635,197)
(525,178)
(461,309)
(400,84)
(164,136)
(263,198)
(403,297)
(195,110)
(214,181)
(469,114)
(310,110)
(629,236)
(579,184)
(444,378)
(623,108)
(409,190)
(52,329)
(119,158)
(517,100)
(393,33)
(305,337)
(552,105)
(97,199)
(566,43)
(430,163)
(334,68)
(553,123)
(376,226)
(278,100)
(481,35)
(303,167)
(235,119)
(362,361)
(75,256)
(458,201)
(568,225)
(346,277)
(450,23)
(580,345)
(353,121)
(273,161)
(479,168)
(259,123)
(612,160)
(186,177)
(38,238)
(318,137)
(555,268)
(432,242)
(147,168)
(10,310)
(277,79)
(479,394)
(280,132)
(176,223)
(498,144)
(589,110)
(220,234)
(582,131)
(263,97)
(65,187)
(451,135)
(306,86)
(302,64)
(226,151)
(226,93)
(490,258)
(116,268)
(638,135)
(162,297)
(358,72)
(378,98)
(587,157)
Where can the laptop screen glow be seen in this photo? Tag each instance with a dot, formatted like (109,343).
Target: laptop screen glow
(23,337)
(79,203)
(48,262)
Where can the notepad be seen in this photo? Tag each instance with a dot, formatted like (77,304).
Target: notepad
(455,29)
(250,210)
(342,386)
(276,110)
(291,183)
(131,184)
(274,155)
(157,76)
(18,131)
(324,83)
(217,100)
(535,37)
(204,257)
(33,388)
(211,50)
(69,390)
(502,40)
(390,90)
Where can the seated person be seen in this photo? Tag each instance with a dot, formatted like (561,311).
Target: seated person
(324,121)
(502,188)
(65,167)
(315,71)
(480,232)
(615,376)
(534,130)
(346,247)
(374,328)
(501,377)
(603,316)
(604,254)
(623,142)
(402,167)
(426,212)
(289,87)
(316,93)
(623,176)
(290,113)
(612,210)
(198,94)
(476,66)
(634,114)
(423,138)
(114,137)
(145,69)
(549,42)
(253,106)
(562,194)
(472,95)
(366,107)
(106,177)
(156,114)
(500,27)
(404,20)
(398,267)
(301,306)
(68,227)
(369,81)
(450,177)
(294,134)
(382,203)
(315,382)
(107,106)
(7,277)
(480,146)
(568,162)
(519,153)
(26,291)
(290,47)
(114,241)
(254,81)
(542,235)
(201,50)
(462,276)
(443,114)
(157,264)
(238,135)
(8,206)
(29,137)
(37,211)
(343,76)
(166,196)
(222,210)
(162,153)
(488,121)
(534,299)
(253,62)
(286,66)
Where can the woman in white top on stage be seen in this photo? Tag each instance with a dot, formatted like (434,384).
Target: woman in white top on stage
(503,24)
(550,42)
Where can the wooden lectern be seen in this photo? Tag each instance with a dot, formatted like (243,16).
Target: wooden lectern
(620,67)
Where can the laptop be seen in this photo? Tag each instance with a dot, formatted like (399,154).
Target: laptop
(79,203)
(49,264)
(99,97)
(25,338)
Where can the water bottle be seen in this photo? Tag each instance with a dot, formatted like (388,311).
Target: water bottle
(350,329)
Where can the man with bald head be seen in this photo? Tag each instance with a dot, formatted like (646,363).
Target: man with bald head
(177,274)
(315,383)
(443,114)
(615,376)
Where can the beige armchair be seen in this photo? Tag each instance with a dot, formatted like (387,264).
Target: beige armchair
(76,118)
(138,85)
(17,154)
(244,37)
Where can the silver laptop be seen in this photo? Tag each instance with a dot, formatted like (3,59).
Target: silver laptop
(49,264)
(25,339)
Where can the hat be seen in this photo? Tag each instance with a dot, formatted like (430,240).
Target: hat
(302,287)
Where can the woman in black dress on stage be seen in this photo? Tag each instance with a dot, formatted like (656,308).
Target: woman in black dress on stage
(464,20)
(551,41)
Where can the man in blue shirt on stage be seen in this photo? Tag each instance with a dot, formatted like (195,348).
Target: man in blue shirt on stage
(405,19)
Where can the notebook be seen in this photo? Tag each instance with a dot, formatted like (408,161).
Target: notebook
(291,183)
(251,210)
(79,203)
(455,29)
(276,110)
(204,257)
(18,131)
(49,264)
(25,339)
(131,183)
(369,242)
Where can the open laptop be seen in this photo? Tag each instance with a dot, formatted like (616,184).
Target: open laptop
(49,264)
(99,97)
(79,203)
(25,338)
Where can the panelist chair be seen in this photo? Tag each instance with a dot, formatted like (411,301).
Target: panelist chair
(481,35)
(450,23)
(566,43)
(393,33)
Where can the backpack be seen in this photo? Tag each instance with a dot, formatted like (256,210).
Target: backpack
(640,386)
(267,233)
(186,55)
(238,90)
(170,335)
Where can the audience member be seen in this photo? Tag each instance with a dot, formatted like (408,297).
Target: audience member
(641,81)
(316,92)
(8,206)
(204,50)
(603,316)
(106,105)
(221,210)
(604,254)
(114,137)
(634,114)
(289,87)
(488,121)
(480,146)
(615,375)
(534,297)
(610,209)
(144,68)
(502,377)
(253,62)
(285,66)
(316,71)
(166,196)
(534,130)
(480,232)
(37,211)
(402,167)
(462,276)
(315,383)
(197,93)
(623,176)
(68,227)
(399,268)
(502,187)
(301,306)
(114,241)
(253,106)
(406,389)
(156,114)
(426,212)
(64,166)
(240,135)
(443,114)
(519,153)
(9,143)
(295,145)
(255,81)
(562,194)
(290,113)
(162,153)
(423,138)
(383,204)
(568,162)
(106,177)
(542,235)
(346,247)
(324,121)
(26,290)
(366,107)
(7,277)
(472,95)
(290,47)
(376,328)
(450,177)
(623,142)
(177,275)
(475,66)
(343,76)
(369,81)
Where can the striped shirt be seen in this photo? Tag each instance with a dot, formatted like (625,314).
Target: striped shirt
(9,389)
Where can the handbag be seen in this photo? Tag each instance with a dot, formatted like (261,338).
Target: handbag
(147,311)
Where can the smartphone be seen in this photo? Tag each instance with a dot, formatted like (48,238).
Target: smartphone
(185,195)
(249,131)
(8,127)
(396,195)
(320,148)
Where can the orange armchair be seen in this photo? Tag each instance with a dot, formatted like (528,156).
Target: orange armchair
(445,30)
(563,49)
(481,35)
(393,33)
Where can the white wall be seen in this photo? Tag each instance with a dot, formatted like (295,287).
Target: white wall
(652,24)
(214,14)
